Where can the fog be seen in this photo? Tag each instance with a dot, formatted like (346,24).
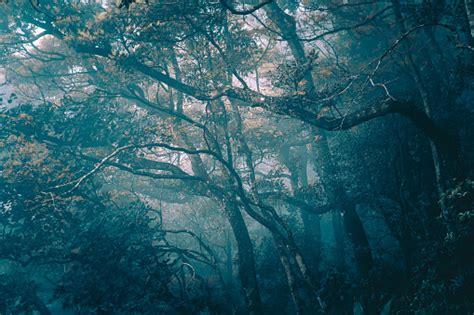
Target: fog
(236,157)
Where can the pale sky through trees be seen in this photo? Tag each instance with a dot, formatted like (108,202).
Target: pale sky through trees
(236,157)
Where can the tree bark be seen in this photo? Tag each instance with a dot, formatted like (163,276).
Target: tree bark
(338,231)
(247,272)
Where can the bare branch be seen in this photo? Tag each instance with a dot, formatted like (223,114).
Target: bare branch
(247,11)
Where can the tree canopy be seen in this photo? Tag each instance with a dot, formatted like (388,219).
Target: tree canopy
(236,157)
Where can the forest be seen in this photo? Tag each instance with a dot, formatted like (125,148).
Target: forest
(236,157)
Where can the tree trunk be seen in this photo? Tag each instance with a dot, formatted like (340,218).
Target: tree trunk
(247,273)
(301,286)
(469,4)
(338,197)
(435,154)
(299,182)
(462,19)
(287,26)
(229,263)
(356,233)
(312,238)
(311,222)
(297,273)
(340,252)
(245,254)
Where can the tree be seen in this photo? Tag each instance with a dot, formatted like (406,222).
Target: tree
(276,119)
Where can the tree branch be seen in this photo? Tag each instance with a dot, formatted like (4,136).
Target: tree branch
(247,11)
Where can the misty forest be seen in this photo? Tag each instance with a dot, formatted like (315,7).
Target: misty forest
(237,157)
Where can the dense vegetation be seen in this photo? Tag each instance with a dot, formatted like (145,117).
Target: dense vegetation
(236,157)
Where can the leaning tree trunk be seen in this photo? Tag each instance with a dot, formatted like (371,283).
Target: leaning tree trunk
(245,254)
(300,283)
(298,277)
(296,271)
(287,26)
(246,265)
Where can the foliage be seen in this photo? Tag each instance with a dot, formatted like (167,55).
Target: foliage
(236,157)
